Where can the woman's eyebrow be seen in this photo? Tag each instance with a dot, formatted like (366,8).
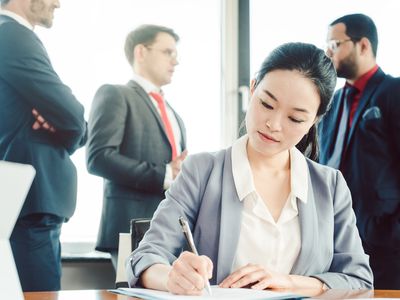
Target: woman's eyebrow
(270,94)
(294,108)
(300,109)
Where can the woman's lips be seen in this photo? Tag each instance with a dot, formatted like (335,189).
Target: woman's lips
(267,137)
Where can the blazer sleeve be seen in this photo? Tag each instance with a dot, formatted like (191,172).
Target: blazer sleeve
(26,68)
(164,241)
(349,266)
(385,227)
(107,123)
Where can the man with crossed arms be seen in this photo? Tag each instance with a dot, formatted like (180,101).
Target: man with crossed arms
(41,124)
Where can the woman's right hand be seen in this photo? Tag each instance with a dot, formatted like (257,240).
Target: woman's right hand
(189,274)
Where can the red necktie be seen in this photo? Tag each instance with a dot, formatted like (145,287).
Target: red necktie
(168,127)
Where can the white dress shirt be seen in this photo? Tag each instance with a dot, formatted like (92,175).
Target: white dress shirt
(17,18)
(273,245)
(150,87)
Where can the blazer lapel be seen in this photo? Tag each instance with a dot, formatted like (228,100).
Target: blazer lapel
(366,97)
(231,215)
(308,231)
(329,125)
(150,105)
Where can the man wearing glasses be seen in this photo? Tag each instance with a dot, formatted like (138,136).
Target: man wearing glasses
(360,136)
(136,140)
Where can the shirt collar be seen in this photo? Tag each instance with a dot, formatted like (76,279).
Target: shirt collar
(17,18)
(361,82)
(145,84)
(298,174)
(243,176)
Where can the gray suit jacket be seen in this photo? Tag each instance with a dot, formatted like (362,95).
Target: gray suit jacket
(129,148)
(205,194)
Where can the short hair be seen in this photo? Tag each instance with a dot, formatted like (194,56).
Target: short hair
(314,65)
(145,35)
(359,26)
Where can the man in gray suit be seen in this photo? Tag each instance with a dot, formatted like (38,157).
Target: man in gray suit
(136,141)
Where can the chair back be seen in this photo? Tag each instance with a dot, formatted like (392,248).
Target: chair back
(127,243)
(138,229)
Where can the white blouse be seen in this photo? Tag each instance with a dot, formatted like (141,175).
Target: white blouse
(273,245)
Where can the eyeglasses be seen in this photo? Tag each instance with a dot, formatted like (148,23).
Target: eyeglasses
(333,45)
(173,54)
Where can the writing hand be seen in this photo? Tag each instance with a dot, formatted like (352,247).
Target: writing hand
(189,274)
(41,123)
(177,163)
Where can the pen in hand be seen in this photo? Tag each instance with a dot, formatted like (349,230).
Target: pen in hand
(189,238)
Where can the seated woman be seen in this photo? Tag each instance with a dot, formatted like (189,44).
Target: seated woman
(262,214)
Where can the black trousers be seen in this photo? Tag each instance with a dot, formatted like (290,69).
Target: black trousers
(35,242)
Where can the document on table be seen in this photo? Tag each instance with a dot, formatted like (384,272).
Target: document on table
(217,293)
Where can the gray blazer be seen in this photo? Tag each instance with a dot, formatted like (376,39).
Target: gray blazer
(205,194)
(129,148)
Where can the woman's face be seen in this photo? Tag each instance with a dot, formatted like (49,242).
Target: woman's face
(282,109)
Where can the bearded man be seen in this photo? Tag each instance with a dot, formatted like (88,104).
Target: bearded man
(41,124)
(360,136)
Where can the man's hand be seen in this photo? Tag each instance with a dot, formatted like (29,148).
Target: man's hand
(41,123)
(177,163)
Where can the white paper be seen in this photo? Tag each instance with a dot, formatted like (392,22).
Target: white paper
(217,293)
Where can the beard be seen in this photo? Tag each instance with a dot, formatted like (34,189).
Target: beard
(347,67)
(42,13)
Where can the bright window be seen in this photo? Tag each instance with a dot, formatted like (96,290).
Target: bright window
(86,48)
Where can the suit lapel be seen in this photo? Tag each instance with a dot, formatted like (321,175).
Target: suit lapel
(331,131)
(146,99)
(327,128)
(231,215)
(366,97)
(308,231)
(181,127)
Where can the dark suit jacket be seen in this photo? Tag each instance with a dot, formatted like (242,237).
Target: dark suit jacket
(371,164)
(129,148)
(27,81)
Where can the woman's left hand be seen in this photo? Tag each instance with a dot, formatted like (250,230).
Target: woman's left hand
(257,277)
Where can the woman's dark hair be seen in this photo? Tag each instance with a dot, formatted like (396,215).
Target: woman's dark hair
(313,64)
